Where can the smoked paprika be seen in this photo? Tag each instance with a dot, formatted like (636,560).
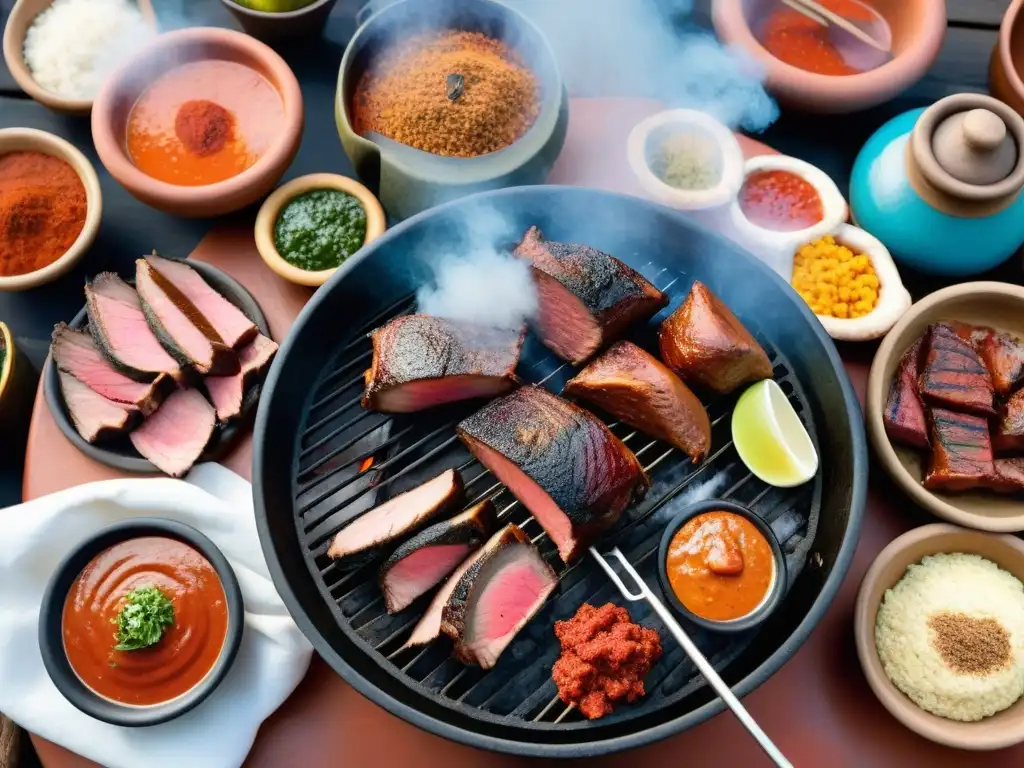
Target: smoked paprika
(203,126)
(42,211)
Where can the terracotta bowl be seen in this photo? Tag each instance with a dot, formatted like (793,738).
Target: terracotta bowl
(20,19)
(918,28)
(30,139)
(267,217)
(284,26)
(1007,63)
(1003,729)
(998,305)
(123,88)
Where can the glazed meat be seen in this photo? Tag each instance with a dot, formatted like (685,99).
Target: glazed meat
(1008,431)
(1003,356)
(633,386)
(227,392)
(705,343)
(904,416)
(961,452)
(424,561)
(175,435)
(95,417)
(587,298)
(420,361)
(497,595)
(396,519)
(559,460)
(952,375)
(1009,475)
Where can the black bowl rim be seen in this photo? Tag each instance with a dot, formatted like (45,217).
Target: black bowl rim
(224,437)
(431,724)
(51,637)
(767,606)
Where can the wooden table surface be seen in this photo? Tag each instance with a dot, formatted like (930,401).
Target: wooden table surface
(818,707)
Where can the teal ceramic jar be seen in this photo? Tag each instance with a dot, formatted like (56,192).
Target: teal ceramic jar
(940,187)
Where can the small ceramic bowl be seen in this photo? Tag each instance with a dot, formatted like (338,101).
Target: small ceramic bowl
(918,29)
(775,592)
(18,379)
(21,17)
(271,209)
(122,89)
(32,140)
(998,305)
(282,26)
(1003,729)
(51,635)
(1006,66)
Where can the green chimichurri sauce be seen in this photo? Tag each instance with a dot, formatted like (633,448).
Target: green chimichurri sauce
(320,229)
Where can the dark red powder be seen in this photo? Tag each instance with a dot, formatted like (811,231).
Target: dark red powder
(203,126)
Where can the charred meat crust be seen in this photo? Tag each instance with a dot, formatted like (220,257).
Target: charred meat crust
(904,416)
(952,375)
(961,452)
(1003,356)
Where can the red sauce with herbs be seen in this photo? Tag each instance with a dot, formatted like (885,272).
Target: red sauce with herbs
(780,201)
(801,42)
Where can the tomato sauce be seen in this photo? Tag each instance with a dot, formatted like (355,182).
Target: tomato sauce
(780,201)
(720,566)
(254,116)
(185,653)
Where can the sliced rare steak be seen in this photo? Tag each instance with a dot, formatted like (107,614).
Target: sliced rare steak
(228,392)
(95,417)
(560,461)
(952,374)
(396,519)
(118,324)
(230,323)
(420,361)
(633,386)
(175,435)
(424,561)
(707,345)
(904,416)
(587,298)
(180,327)
(495,598)
(75,353)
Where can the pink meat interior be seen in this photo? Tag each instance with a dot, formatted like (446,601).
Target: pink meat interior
(417,395)
(185,334)
(419,572)
(567,326)
(131,337)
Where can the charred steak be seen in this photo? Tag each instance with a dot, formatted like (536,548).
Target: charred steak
(952,375)
(904,416)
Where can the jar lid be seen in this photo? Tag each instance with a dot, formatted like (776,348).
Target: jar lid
(975,147)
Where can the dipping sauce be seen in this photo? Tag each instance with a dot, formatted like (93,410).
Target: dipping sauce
(320,229)
(780,201)
(203,122)
(720,566)
(186,651)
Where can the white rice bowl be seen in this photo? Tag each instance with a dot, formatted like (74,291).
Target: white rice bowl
(958,584)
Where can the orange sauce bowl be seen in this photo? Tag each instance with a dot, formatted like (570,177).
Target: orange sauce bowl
(740,578)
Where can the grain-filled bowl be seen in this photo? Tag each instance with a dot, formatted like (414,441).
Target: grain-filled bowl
(201,123)
(408,179)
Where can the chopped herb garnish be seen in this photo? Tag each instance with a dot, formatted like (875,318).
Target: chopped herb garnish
(146,613)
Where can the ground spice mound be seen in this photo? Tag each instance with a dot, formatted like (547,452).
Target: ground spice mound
(969,645)
(405,95)
(42,211)
(203,126)
(605,657)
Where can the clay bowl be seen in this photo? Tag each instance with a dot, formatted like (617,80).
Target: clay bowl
(18,381)
(918,28)
(1003,729)
(1007,62)
(998,305)
(20,19)
(32,140)
(284,26)
(123,88)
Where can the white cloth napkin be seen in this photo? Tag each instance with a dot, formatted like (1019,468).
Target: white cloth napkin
(273,657)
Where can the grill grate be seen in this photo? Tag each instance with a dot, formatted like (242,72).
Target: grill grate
(333,484)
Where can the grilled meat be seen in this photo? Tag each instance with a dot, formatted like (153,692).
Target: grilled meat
(559,460)
(227,392)
(497,595)
(1009,475)
(587,298)
(396,519)
(1008,431)
(961,452)
(175,435)
(633,386)
(904,416)
(424,561)
(705,343)
(95,417)
(75,353)
(420,361)
(229,322)
(952,375)
(1003,356)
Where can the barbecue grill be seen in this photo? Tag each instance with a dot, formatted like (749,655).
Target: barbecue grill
(320,460)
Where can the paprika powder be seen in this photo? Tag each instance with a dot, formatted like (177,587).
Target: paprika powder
(42,210)
(202,126)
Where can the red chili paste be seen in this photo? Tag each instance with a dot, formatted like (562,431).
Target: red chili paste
(791,37)
(781,201)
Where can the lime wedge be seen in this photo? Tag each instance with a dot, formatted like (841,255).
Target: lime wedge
(770,438)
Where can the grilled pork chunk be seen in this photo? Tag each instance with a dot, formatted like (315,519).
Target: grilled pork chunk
(559,460)
(227,392)
(1009,475)
(174,436)
(707,345)
(633,386)
(1008,430)
(420,361)
(587,298)
(904,416)
(952,375)
(95,417)
(1003,356)
(961,452)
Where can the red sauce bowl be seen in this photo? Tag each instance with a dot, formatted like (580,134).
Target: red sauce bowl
(51,625)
